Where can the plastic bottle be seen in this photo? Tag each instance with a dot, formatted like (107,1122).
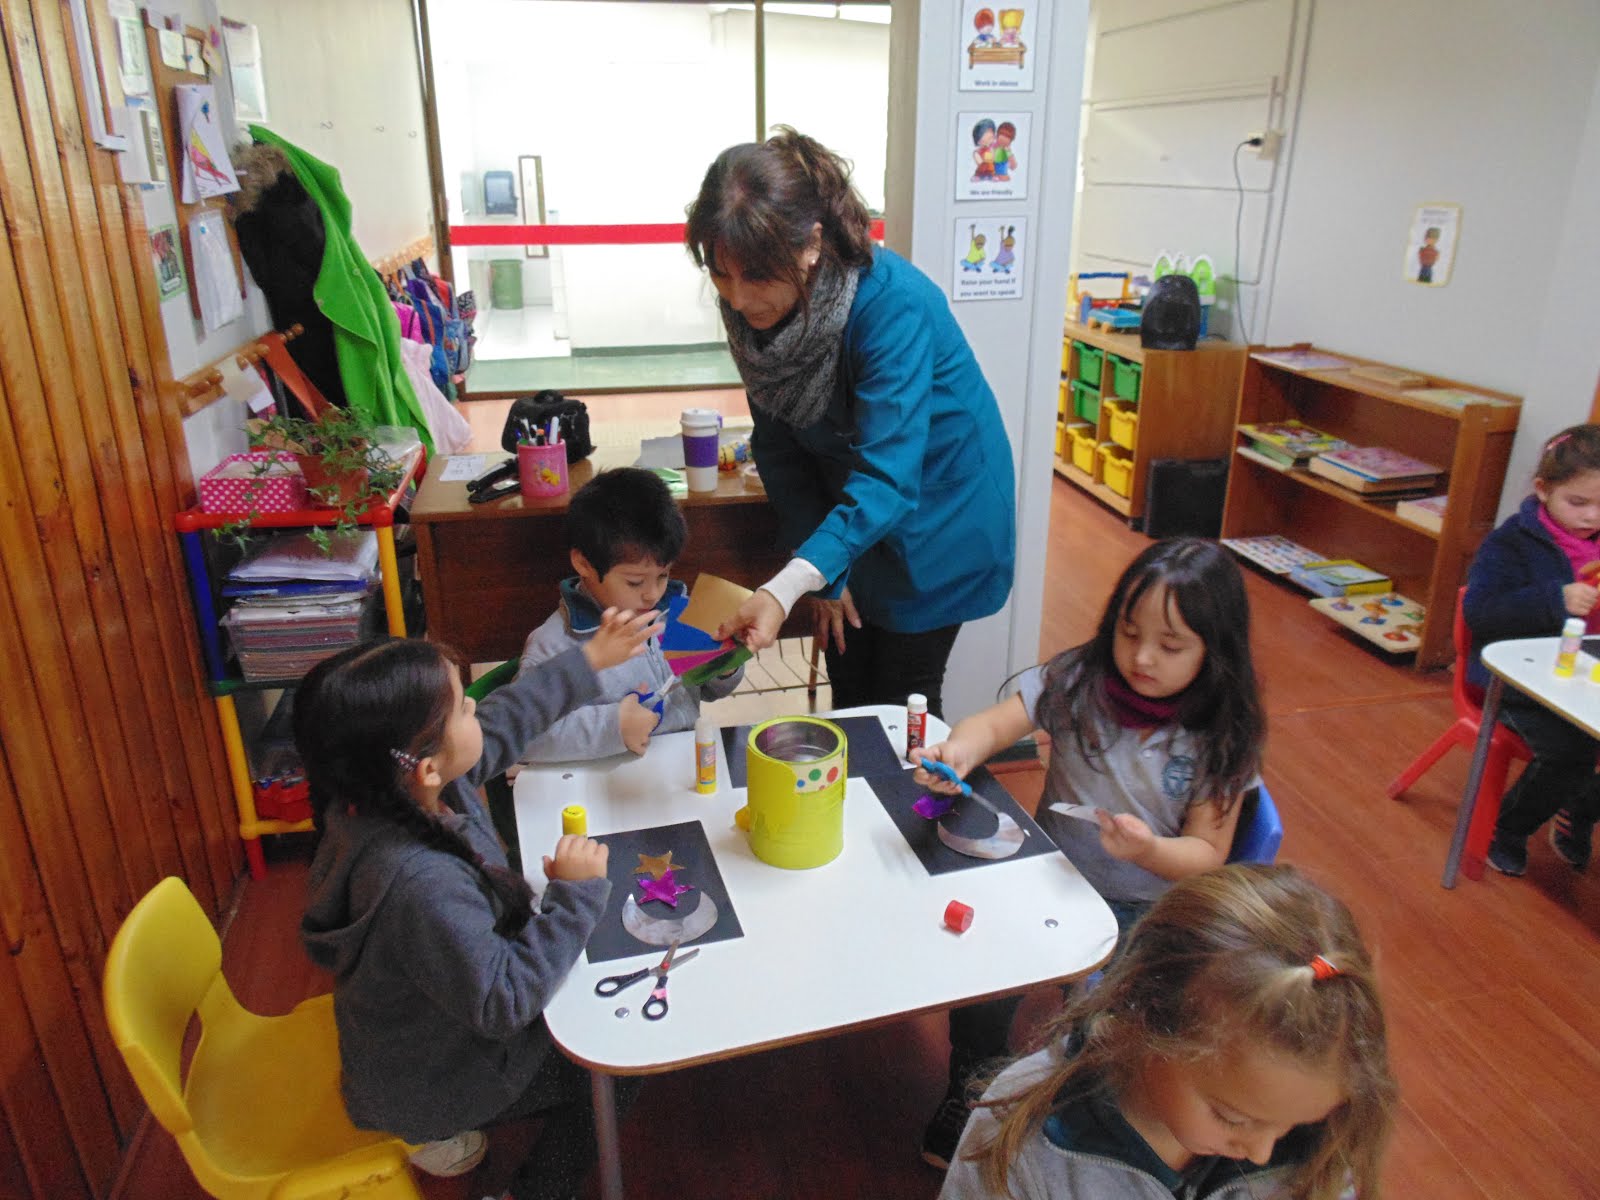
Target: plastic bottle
(916,722)
(705,755)
(1571,643)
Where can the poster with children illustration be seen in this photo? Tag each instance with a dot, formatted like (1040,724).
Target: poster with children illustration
(994,48)
(989,254)
(992,152)
(1431,244)
(168,258)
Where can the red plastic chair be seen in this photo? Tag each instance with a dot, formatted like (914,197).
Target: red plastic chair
(1503,747)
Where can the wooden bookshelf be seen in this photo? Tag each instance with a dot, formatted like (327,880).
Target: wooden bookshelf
(1471,442)
(1185,405)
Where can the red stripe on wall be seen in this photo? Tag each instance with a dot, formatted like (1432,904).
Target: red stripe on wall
(581,235)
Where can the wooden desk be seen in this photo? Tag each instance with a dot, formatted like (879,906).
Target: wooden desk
(490,572)
(856,942)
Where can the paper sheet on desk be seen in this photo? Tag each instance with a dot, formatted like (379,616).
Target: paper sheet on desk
(1084,812)
(458,468)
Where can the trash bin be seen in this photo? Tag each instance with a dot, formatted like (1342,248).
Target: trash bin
(505,282)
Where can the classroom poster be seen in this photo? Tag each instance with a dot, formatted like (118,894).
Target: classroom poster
(133,59)
(243,43)
(989,254)
(1431,244)
(168,259)
(207,170)
(992,152)
(994,47)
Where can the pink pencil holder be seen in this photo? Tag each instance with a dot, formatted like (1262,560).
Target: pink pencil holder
(542,469)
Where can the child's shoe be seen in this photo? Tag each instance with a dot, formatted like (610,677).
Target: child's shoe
(1508,853)
(944,1131)
(452,1156)
(1572,839)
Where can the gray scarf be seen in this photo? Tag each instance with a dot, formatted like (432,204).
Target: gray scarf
(791,377)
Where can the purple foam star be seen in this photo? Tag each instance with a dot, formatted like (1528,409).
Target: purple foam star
(933,807)
(666,889)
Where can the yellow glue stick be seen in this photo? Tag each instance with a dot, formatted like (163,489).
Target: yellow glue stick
(574,820)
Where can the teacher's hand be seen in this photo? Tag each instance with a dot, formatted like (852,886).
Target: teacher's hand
(756,623)
(830,617)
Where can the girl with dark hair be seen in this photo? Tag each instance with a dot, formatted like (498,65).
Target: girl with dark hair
(1155,731)
(1236,1050)
(878,441)
(441,964)
(1539,568)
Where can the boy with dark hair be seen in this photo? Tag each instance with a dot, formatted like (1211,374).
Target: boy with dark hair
(624,532)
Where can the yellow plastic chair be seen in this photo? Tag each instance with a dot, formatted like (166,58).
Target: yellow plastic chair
(259,1114)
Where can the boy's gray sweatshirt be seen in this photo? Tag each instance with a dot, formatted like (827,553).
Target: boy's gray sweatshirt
(592,730)
(438,1015)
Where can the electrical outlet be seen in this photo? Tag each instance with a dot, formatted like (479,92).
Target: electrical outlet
(1271,143)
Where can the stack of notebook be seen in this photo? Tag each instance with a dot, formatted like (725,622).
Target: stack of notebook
(1285,444)
(1376,471)
(294,605)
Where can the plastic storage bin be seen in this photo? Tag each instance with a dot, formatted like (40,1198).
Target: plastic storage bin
(1124,422)
(1125,377)
(1080,437)
(1116,467)
(1085,402)
(1090,360)
(1064,405)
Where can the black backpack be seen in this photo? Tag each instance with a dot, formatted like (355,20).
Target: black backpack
(536,412)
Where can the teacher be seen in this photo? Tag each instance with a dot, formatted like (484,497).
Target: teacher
(877,438)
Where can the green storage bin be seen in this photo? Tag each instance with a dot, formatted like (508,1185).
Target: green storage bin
(1086,402)
(1090,360)
(505,282)
(1125,377)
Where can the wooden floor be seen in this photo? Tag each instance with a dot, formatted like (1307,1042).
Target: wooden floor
(1492,988)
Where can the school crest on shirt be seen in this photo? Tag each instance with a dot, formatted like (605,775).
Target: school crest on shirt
(1177,778)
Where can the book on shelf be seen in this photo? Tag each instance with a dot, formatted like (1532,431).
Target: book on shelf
(1302,358)
(1339,577)
(1290,441)
(1271,551)
(1426,511)
(1267,458)
(1395,377)
(1455,397)
(1375,470)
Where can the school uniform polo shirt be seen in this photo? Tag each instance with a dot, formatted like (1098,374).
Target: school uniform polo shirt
(1151,777)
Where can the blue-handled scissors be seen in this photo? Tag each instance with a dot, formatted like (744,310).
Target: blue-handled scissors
(934,767)
(656,1006)
(656,701)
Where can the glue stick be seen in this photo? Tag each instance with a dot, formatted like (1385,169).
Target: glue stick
(574,820)
(705,755)
(916,722)
(1571,642)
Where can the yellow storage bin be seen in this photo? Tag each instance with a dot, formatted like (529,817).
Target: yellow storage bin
(1065,402)
(1061,437)
(1081,436)
(1066,357)
(1124,422)
(1116,466)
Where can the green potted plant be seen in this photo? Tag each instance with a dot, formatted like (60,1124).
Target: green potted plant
(339,456)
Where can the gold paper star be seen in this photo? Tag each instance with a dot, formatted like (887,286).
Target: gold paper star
(656,865)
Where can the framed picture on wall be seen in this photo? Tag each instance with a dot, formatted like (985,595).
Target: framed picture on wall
(530,167)
(991,152)
(1431,244)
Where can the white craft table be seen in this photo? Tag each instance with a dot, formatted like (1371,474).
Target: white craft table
(1527,664)
(858,942)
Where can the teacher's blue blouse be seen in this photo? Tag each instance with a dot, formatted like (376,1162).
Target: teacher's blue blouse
(904,489)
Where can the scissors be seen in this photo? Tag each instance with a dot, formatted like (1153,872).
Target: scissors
(656,701)
(656,1007)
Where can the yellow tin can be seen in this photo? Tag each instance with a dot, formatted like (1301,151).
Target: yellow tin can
(795,771)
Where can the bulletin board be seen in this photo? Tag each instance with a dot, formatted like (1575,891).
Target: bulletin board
(163,79)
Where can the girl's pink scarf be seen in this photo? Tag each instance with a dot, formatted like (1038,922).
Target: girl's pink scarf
(1579,551)
(1134,711)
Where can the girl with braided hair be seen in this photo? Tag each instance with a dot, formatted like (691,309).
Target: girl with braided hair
(442,964)
(877,438)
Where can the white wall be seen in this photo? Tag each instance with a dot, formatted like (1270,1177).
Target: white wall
(1018,342)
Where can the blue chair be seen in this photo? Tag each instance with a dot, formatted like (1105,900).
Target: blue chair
(1260,830)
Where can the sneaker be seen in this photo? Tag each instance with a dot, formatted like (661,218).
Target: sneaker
(452,1156)
(1508,854)
(1572,839)
(944,1132)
